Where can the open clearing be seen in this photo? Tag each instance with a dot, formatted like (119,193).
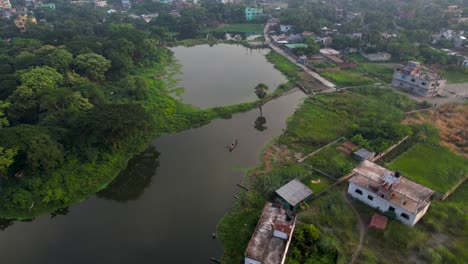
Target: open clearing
(433,166)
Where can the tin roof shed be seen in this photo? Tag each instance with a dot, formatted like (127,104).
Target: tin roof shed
(294,192)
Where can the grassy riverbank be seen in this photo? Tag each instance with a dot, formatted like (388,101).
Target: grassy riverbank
(319,121)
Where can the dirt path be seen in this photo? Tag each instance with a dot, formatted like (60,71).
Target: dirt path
(362,229)
(328,84)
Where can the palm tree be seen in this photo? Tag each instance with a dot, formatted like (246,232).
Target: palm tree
(260,91)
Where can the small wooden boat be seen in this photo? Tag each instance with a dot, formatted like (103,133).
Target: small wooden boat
(233,145)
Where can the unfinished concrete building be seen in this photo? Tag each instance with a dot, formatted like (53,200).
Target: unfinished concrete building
(385,190)
(418,80)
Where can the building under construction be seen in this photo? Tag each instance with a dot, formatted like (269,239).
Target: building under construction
(418,80)
(390,191)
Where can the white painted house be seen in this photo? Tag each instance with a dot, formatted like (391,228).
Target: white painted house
(385,190)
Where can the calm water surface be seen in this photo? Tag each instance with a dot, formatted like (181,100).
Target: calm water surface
(163,207)
(223,74)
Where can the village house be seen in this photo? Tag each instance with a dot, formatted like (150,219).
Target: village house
(252,13)
(48,5)
(5,4)
(126,4)
(389,191)
(101,3)
(270,240)
(293,193)
(20,22)
(285,28)
(418,80)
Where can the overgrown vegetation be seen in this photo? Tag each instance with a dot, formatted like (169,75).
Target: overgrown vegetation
(332,161)
(373,113)
(345,78)
(432,166)
(241,28)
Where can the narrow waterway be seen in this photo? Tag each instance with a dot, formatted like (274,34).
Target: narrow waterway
(163,207)
(223,74)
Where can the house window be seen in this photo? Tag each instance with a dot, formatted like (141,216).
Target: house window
(405,216)
(423,83)
(413,80)
(358,191)
(433,84)
(391,209)
(403,76)
(370,197)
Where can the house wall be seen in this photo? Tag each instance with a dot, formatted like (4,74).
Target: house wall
(384,205)
(251,261)
(418,86)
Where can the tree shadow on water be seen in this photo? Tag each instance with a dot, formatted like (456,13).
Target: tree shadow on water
(133,180)
(260,123)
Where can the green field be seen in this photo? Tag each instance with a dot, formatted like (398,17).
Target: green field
(372,112)
(455,76)
(346,78)
(241,28)
(318,186)
(285,66)
(332,161)
(432,166)
(380,71)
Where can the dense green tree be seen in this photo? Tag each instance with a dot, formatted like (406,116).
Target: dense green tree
(59,59)
(92,65)
(312,46)
(3,119)
(109,125)
(38,153)
(40,78)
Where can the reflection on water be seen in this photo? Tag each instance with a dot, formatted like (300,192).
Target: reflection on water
(61,211)
(132,182)
(260,123)
(5,223)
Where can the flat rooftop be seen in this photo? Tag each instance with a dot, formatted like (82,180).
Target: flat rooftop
(263,246)
(407,194)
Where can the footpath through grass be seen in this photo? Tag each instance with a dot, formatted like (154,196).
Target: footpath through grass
(435,167)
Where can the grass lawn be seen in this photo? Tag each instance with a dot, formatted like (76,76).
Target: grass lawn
(455,76)
(356,57)
(332,161)
(381,71)
(346,78)
(318,186)
(288,68)
(241,28)
(432,166)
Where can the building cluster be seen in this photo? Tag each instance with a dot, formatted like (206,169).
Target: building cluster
(417,79)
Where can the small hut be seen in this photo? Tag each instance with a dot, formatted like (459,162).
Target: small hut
(293,193)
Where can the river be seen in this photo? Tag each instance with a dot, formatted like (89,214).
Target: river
(164,206)
(223,74)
